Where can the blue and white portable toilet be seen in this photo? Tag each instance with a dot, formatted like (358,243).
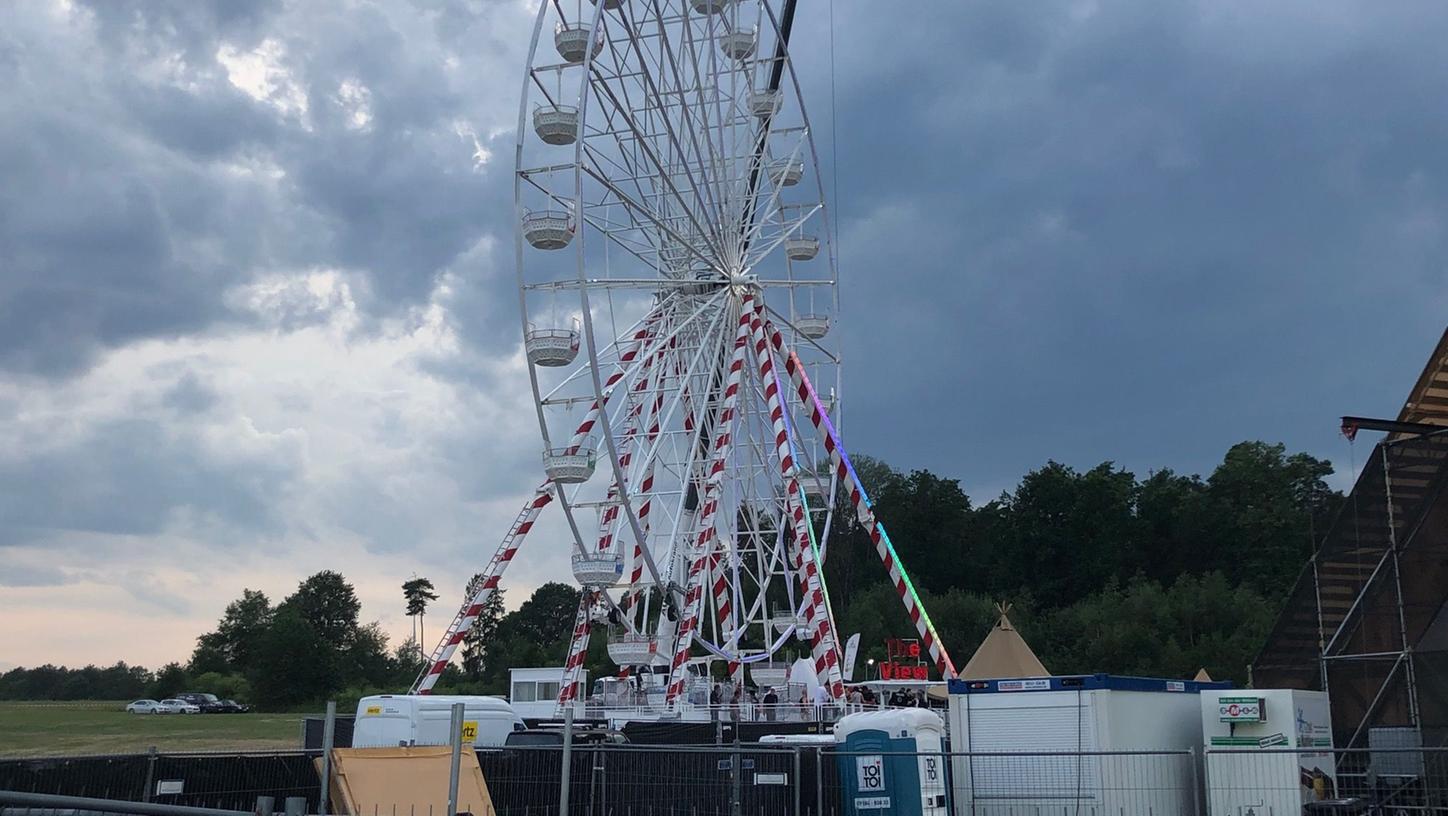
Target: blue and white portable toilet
(892,762)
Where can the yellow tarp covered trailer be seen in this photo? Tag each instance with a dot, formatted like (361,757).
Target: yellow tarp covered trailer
(406,781)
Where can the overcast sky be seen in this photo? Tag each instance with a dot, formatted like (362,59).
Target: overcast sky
(256,304)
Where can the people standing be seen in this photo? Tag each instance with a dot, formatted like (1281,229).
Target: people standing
(770,701)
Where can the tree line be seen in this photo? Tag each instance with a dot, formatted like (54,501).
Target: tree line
(1105,571)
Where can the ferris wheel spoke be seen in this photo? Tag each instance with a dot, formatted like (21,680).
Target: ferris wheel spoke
(666,58)
(605,92)
(639,208)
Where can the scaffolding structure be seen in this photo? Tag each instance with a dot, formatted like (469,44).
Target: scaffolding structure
(1368,618)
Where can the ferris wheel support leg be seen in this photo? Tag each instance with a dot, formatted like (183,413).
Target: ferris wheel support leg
(694,589)
(824,646)
(577,651)
(840,460)
(473,606)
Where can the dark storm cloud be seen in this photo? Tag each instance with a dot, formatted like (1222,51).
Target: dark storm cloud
(1131,230)
(1139,231)
(141,184)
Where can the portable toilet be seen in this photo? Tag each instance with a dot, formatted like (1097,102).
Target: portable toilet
(892,762)
(1268,751)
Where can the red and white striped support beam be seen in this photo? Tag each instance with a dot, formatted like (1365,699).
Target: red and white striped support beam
(845,472)
(724,607)
(643,335)
(503,557)
(694,588)
(568,687)
(473,607)
(646,485)
(824,646)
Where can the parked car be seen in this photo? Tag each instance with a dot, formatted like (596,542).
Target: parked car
(545,736)
(144,707)
(208,703)
(233,707)
(175,706)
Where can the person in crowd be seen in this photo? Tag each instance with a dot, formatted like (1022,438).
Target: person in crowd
(716,698)
(821,699)
(770,701)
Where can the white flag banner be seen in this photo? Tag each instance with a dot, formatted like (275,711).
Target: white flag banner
(852,649)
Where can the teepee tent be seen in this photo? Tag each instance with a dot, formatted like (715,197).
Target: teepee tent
(1202,676)
(1003,653)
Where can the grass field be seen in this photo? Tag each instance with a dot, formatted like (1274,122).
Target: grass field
(55,729)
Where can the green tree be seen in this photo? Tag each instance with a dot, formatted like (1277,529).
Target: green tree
(232,647)
(365,660)
(478,642)
(295,662)
(1265,502)
(171,680)
(417,593)
(329,604)
(534,634)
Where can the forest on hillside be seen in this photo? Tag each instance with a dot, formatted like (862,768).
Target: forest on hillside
(1105,571)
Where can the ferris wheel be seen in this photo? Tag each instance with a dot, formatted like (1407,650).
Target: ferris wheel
(678,294)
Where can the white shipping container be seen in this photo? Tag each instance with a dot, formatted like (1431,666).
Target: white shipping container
(1263,751)
(1080,745)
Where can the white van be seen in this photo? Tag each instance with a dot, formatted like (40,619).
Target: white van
(390,720)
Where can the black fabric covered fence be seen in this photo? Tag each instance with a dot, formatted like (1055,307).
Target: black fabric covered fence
(225,781)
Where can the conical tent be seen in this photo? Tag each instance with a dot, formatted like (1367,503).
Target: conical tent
(1003,653)
(1202,676)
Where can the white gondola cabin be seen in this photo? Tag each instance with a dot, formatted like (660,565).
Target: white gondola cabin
(556,124)
(598,569)
(786,173)
(548,229)
(573,465)
(572,39)
(813,326)
(633,649)
(765,103)
(737,45)
(551,347)
(802,248)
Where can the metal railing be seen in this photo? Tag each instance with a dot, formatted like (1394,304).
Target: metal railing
(1274,781)
(584,778)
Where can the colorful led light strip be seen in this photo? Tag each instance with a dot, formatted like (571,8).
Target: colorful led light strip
(884,536)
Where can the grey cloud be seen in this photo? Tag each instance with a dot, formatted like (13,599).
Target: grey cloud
(137,196)
(189,395)
(1140,235)
(132,477)
(32,575)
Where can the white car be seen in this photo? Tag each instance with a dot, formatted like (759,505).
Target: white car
(179,707)
(144,707)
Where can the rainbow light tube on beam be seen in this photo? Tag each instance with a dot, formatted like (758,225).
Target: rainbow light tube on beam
(884,536)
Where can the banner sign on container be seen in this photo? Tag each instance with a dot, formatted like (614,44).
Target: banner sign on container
(1241,709)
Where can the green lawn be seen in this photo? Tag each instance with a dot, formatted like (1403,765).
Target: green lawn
(55,729)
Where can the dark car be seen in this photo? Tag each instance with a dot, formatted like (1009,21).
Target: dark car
(536,737)
(233,707)
(206,702)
